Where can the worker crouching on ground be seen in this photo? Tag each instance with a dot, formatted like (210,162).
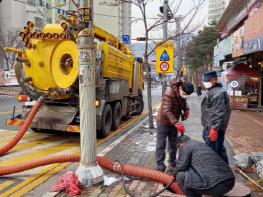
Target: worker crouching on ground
(215,114)
(201,171)
(172,108)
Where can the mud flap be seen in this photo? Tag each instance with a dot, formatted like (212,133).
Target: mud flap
(54,117)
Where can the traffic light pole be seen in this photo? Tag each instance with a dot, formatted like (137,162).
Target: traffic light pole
(165,36)
(89,172)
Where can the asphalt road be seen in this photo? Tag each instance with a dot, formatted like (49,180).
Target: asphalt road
(7,104)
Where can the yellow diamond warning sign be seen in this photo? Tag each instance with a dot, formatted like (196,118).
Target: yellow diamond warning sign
(165,57)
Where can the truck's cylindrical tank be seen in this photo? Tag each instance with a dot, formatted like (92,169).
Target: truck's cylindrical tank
(54,63)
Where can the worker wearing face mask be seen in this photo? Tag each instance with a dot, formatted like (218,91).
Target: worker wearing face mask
(173,107)
(215,109)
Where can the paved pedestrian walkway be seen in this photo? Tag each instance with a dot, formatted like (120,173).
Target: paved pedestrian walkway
(245,131)
(138,148)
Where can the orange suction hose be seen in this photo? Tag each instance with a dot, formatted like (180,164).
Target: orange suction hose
(4,149)
(128,170)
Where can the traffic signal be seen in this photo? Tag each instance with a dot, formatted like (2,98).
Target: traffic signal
(161,9)
(140,38)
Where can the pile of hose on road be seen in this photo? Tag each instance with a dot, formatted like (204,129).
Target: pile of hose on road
(124,169)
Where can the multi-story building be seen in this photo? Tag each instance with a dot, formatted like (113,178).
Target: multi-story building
(112,17)
(216,9)
(241,45)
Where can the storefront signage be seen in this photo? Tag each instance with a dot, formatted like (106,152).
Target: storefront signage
(238,42)
(253,45)
(234,84)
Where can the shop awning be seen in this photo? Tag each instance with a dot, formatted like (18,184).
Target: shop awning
(241,70)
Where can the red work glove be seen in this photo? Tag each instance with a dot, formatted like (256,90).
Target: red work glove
(212,135)
(180,127)
(186,114)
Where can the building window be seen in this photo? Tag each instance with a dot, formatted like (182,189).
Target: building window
(49,20)
(39,22)
(48,6)
(62,2)
(31,2)
(42,3)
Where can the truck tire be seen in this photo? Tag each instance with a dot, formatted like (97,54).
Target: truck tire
(106,121)
(139,106)
(116,120)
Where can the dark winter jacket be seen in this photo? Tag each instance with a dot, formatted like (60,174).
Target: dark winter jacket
(216,109)
(171,107)
(203,167)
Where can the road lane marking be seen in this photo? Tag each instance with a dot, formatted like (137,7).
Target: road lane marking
(27,137)
(6,184)
(9,112)
(4,133)
(35,180)
(39,180)
(27,147)
(45,171)
(37,154)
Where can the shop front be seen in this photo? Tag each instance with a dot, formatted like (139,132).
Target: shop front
(242,83)
(253,43)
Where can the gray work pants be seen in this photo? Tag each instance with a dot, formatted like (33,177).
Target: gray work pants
(164,132)
(217,191)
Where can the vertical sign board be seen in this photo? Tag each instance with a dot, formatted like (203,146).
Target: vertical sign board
(165,57)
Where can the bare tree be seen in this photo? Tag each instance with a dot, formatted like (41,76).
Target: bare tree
(9,38)
(151,25)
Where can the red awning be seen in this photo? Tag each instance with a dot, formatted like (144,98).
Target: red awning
(241,70)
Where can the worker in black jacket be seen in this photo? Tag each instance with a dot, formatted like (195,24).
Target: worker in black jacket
(201,171)
(215,114)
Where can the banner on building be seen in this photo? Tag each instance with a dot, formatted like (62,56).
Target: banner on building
(238,37)
(253,34)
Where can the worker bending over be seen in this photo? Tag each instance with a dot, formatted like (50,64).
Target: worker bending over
(201,171)
(173,108)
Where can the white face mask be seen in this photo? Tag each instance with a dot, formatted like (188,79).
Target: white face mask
(182,94)
(207,85)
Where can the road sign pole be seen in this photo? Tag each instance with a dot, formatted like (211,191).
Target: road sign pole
(165,36)
(89,172)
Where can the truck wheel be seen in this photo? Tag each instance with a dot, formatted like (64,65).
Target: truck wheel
(116,116)
(139,106)
(106,121)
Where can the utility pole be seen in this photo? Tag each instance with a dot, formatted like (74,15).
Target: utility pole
(165,36)
(89,172)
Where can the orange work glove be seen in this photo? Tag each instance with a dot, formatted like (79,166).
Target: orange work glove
(213,135)
(180,127)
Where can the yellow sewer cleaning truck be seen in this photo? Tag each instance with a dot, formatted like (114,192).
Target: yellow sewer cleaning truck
(49,66)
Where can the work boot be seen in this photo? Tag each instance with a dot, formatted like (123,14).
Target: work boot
(169,170)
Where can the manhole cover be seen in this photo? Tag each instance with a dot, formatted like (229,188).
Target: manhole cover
(239,190)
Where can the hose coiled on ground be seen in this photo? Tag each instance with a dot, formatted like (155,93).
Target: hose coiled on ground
(104,162)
